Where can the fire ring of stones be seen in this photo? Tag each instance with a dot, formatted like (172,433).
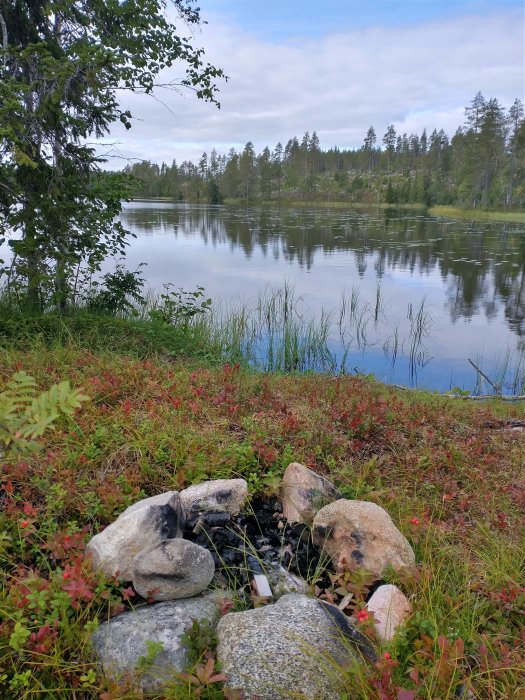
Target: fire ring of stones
(186,552)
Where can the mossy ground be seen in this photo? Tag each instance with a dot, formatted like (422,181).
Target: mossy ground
(448,472)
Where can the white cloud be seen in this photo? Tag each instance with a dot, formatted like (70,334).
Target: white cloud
(340,84)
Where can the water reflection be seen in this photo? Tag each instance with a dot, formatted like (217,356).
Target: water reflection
(481,264)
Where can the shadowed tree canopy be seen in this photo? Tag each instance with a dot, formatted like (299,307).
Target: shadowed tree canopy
(62,65)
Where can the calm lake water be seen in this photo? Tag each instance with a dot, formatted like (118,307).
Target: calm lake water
(448,290)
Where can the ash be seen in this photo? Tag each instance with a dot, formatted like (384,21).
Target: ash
(255,541)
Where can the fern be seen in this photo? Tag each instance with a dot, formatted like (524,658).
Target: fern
(26,413)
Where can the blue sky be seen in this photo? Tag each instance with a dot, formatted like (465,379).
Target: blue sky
(334,66)
(278,20)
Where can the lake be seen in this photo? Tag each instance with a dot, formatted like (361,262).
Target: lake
(422,295)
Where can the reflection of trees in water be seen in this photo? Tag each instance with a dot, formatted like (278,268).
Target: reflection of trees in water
(465,294)
(479,272)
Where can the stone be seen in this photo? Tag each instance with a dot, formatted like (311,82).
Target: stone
(173,569)
(361,534)
(219,495)
(283,581)
(114,549)
(303,493)
(119,643)
(391,609)
(295,648)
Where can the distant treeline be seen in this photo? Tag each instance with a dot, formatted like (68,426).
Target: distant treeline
(482,165)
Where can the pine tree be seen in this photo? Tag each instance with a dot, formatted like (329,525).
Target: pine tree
(389,140)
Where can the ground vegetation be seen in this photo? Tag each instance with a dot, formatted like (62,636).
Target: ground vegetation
(448,471)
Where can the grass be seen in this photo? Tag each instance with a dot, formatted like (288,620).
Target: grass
(451,212)
(100,333)
(330,204)
(154,422)
(276,333)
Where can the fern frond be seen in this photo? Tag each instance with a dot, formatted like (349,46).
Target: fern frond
(25,414)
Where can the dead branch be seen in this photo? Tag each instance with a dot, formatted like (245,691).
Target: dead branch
(496,388)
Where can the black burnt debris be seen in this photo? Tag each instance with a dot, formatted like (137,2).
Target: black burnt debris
(254,542)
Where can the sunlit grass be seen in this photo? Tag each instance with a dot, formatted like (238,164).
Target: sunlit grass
(477,214)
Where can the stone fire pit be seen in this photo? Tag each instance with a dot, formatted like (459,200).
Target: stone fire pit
(186,552)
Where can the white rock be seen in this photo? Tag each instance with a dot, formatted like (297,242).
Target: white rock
(303,493)
(219,495)
(173,569)
(283,581)
(391,609)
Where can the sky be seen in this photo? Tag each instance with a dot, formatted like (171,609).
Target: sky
(336,67)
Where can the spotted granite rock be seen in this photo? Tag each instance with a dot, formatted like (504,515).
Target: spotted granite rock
(361,534)
(218,495)
(295,648)
(145,524)
(119,643)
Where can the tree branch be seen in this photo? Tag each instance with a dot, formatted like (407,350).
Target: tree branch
(12,192)
(496,387)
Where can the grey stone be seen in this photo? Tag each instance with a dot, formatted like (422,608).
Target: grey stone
(296,648)
(173,569)
(283,581)
(361,534)
(138,528)
(219,495)
(119,643)
(303,493)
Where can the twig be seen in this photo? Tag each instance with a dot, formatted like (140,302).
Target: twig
(489,381)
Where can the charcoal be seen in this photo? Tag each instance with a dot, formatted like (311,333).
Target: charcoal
(233,541)
(265,548)
(217,519)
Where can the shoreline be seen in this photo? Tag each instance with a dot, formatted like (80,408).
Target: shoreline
(437,211)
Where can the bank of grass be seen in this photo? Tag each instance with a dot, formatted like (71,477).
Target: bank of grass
(275,333)
(445,211)
(447,471)
(450,212)
(136,337)
(329,204)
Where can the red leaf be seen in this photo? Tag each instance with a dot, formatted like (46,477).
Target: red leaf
(403,694)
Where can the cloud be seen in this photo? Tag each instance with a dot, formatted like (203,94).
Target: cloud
(339,84)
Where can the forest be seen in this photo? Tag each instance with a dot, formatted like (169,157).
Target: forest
(481,166)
